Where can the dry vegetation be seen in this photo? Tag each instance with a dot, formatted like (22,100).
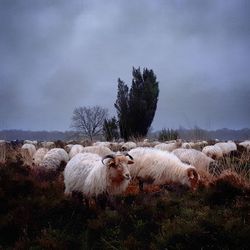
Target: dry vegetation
(35,213)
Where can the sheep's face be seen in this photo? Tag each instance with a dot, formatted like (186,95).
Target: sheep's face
(118,169)
(193,178)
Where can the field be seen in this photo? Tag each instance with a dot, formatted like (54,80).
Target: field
(35,213)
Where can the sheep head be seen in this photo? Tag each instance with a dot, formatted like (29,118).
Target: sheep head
(193,178)
(118,167)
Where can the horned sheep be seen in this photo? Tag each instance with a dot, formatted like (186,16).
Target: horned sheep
(159,167)
(92,175)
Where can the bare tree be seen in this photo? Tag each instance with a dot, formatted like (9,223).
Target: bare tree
(89,120)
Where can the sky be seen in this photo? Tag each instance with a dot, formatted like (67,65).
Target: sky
(57,55)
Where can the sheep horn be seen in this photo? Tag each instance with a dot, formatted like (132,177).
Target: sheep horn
(107,156)
(127,154)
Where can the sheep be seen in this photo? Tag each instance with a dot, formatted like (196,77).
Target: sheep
(244,146)
(227,147)
(213,151)
(159,167)
(102,143)
(100,150)
(170,146)
(77,148)
(186,145)
(90,175)
(30,142)
(194,157)
(48,144)
(68,147)
(38,156)
(27,152)
(128,145)
(54,159)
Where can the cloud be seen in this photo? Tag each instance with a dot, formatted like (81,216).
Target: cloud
(57,55)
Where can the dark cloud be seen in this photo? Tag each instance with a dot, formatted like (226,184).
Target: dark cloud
(57,55)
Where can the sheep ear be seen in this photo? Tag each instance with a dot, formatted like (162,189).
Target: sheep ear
(130,162)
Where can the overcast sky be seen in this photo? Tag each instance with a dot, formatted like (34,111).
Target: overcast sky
(57,55)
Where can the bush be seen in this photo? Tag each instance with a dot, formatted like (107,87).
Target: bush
(168,135)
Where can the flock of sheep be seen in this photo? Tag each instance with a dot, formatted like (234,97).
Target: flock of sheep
(109,167)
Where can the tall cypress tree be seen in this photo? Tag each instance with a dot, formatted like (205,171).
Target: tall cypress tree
(122,108)
(140,102)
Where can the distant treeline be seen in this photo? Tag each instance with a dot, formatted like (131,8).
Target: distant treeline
(186,134)
(11,135)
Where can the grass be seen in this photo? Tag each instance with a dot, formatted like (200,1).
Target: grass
(35,214)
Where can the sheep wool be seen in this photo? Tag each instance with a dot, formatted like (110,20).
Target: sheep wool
(27,152)
(226,147)
(86,173)
(169,146)
(77,148)
(100,150)
(39,155)
(213,151)
(161,167)
(194,157)
(54,158)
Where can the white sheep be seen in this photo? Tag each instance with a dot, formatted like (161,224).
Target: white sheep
(48,144)
(186,145)
(246,145)
(128,145)
(89,174)
(161,167)
(38,156)
(27,152)
(75,149)
(169,146)
(227,147)
(102,144)
(100,150)
(30,142)
(213,151)
(68,147)
(195,158)
(54,158)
